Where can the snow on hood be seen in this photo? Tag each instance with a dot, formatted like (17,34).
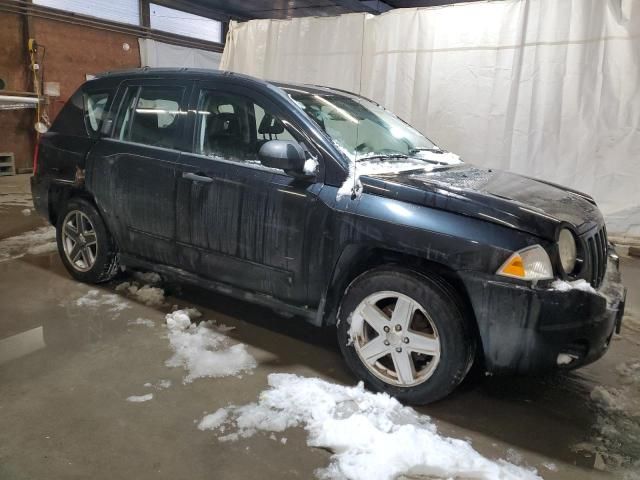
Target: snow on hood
(352,185)
(370,435)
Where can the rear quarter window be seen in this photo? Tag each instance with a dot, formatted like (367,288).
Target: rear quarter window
(96,105)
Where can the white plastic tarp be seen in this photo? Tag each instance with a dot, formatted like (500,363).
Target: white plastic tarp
(547,88)
(159,54)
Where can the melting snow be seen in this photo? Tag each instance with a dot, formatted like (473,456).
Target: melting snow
(581,284)
(353,186)
(150,278)
(16,199)
(203,350)
(372,436)
(161,385)
(34,242)
(95,299)
(616,442)
(142,321)
(213,420)
(151,296)
(310,166)
(140,398)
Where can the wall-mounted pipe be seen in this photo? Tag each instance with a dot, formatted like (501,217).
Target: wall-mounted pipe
(15,99)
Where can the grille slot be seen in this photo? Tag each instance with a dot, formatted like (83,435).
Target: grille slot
(596,255)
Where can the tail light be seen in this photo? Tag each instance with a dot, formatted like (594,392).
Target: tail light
(35,157)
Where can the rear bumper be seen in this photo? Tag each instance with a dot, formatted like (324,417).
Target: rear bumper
(40,195)
(525,328)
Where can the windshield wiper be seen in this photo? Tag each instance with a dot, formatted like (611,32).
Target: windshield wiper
(382,156)
(426,149)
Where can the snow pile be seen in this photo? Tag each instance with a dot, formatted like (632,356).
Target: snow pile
(581,284)
(203,350)
(140,398)
(372,436)
(95,299)
(151,296)
(34,242)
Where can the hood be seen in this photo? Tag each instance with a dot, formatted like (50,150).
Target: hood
(533,206)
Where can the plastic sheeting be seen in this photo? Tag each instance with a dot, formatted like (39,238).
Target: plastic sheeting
(158,54)
(547,88)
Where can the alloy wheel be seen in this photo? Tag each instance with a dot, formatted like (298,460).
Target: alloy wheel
(395,338)
(79,240)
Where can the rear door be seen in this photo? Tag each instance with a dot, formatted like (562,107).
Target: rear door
(133,172)
(239,222)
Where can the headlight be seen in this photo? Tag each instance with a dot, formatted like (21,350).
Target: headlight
(567,250)
(531,263)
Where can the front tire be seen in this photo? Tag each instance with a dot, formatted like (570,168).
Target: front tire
(404,333)
(86,248)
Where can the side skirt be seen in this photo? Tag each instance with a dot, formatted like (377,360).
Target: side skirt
(183,276)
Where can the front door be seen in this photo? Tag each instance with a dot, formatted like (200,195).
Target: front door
(133,174)
(239,222)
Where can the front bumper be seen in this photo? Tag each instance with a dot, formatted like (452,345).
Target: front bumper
(524,328)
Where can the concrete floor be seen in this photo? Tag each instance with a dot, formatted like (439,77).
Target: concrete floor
(65,372)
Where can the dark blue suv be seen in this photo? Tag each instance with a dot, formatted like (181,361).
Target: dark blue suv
(321,203)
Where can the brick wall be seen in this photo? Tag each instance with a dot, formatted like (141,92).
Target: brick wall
(72,51)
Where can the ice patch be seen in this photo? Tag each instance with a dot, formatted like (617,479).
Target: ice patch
(203,350)
(140,398)
(95,299)
(34,242)
(370,435)
(581,284)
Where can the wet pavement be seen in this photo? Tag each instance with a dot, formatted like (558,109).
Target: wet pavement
(67,369)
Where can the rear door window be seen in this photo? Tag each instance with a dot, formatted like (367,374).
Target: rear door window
(152,116)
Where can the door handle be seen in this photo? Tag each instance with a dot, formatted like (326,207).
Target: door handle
(197,178)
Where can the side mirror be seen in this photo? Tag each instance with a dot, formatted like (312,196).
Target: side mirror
(283,154)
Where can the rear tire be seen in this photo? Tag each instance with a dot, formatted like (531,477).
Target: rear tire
(86,248)
(404,333)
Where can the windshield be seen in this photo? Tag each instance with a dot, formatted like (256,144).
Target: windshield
(364,130)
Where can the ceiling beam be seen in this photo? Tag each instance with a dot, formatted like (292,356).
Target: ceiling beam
(354,6)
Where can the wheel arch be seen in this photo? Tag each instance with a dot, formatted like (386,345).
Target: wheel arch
(59,195)
(355,261)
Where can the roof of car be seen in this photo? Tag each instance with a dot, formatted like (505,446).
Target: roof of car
(209,73)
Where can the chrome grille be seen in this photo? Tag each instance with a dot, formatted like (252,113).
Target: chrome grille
(595,258)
